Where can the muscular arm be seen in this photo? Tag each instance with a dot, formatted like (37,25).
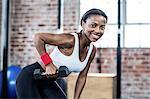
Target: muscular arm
(82,77)
(61,40)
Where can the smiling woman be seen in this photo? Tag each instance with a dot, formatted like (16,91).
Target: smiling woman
(94,27)
(73,50)
(110,7)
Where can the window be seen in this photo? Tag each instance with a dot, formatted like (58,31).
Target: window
(135,22)
(137,29)
(137,11)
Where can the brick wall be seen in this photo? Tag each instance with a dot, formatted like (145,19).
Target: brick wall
(71,15)
(135,70)
(136,73)
(27,18)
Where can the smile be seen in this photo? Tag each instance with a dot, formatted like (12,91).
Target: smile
(95,36)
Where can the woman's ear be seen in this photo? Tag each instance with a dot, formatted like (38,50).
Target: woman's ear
(82,23)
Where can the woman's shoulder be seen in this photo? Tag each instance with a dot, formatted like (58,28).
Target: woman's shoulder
(70,34)
(93,48)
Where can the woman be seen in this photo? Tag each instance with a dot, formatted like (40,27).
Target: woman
(74,50)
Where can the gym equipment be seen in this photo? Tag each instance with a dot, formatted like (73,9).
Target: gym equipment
(12,73)
(98,86)
(63,71)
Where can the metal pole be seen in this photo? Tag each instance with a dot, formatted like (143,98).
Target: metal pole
(5,34)
(119,55)
(59,14)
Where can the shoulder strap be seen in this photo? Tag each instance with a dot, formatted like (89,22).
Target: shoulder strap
(76,45)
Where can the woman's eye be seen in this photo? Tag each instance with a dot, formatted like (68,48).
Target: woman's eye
(93,25)
(103,27)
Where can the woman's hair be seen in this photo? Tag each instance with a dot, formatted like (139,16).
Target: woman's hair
(93,11)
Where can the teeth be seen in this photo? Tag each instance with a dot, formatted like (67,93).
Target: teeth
(95,36)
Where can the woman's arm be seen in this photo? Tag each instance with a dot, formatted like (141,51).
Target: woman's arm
(60,40)
(82,77)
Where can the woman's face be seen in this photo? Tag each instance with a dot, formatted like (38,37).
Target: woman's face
(94,27)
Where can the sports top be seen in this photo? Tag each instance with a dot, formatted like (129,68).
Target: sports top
(72,61)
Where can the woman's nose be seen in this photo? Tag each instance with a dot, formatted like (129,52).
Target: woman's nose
(99,30)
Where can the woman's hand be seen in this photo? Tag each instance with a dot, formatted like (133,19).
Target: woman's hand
(50,69)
